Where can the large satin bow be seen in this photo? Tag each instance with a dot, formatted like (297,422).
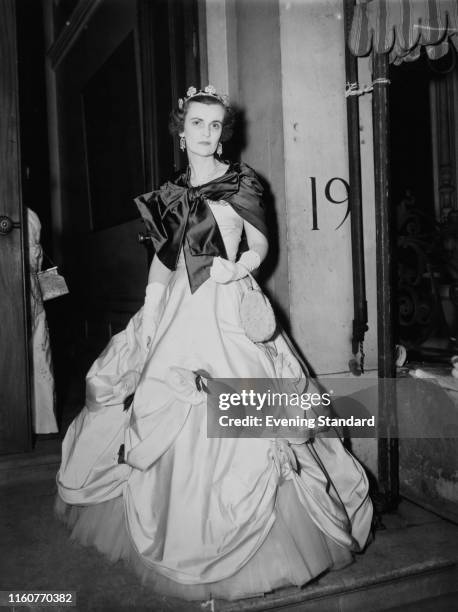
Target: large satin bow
(178,215)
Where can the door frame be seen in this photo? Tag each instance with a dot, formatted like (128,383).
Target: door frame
(15,370)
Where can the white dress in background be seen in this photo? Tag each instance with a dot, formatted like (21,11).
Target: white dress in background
(203,517)
(43,398)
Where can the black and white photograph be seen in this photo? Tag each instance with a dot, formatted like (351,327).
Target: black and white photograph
(229,305)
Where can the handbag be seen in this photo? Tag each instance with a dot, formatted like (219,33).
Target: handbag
(256,313)
(52,284)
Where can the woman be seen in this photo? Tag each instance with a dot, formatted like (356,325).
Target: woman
(203,517)
(43,396)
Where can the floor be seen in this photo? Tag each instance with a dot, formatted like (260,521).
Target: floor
(38,555)
(416,556)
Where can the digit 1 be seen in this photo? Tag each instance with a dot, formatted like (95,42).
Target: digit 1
(314,206)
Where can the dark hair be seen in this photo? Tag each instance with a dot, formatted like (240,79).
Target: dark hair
(177,116)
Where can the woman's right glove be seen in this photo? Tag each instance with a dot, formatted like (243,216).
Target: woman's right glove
(152,312)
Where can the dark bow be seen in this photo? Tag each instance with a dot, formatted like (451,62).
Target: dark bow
(177,215)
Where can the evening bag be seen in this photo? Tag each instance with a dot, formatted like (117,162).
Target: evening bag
(52,284)
(256,313)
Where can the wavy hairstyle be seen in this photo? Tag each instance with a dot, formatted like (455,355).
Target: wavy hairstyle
(177,116)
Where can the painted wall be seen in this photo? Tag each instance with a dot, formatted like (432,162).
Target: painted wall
(243,43)
(259,86)
(283,62)
(314,111)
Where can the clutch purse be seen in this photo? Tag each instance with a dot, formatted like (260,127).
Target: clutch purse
(256,314)
(52,284)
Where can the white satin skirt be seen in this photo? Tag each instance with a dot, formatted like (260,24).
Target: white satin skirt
(203,517)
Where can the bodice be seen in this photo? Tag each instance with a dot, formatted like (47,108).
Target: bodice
(230,225)
(178,217)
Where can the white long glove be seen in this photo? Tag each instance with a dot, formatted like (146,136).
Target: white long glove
(152,311)
(225,271)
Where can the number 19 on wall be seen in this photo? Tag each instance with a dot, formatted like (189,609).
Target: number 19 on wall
(329,190)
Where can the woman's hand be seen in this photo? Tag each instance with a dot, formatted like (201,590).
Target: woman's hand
(224,271)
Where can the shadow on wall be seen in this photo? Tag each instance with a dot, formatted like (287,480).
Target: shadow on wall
(233,150)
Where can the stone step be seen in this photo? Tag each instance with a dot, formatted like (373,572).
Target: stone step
(372,594)
(411,563)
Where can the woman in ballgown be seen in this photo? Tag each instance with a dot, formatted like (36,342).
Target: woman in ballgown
(140,480)
(43,396)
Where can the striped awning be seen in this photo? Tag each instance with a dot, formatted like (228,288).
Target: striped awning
(402,27)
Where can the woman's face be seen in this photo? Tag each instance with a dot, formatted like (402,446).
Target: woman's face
(202,128)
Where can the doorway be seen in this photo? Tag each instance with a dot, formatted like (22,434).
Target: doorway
(424,121)
(98,81)
(424,171)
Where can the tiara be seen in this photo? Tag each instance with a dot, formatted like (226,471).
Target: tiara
(207,91)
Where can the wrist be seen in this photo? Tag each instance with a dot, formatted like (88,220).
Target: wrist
(250,260)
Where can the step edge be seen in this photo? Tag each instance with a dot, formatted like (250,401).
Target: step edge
(339,589)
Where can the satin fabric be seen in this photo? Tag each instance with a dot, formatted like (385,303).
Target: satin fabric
(198,510)
(178,216)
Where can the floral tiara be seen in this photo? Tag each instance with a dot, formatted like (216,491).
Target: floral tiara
(207,91)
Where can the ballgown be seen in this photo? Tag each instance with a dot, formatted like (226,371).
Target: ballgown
(203,517)
(43,396)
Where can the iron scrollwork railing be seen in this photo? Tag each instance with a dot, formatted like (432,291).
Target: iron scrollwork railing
(427,265)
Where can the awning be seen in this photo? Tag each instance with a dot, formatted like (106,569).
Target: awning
(402,27)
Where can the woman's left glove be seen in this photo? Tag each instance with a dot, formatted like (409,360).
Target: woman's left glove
(225,271)
(152,311)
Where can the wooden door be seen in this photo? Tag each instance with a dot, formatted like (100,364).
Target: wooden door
(15,421)
(116,74)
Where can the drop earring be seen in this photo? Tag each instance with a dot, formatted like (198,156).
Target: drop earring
(219,149)
(182,143)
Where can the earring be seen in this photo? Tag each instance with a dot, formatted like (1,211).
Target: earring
(219,149)
(182,143)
